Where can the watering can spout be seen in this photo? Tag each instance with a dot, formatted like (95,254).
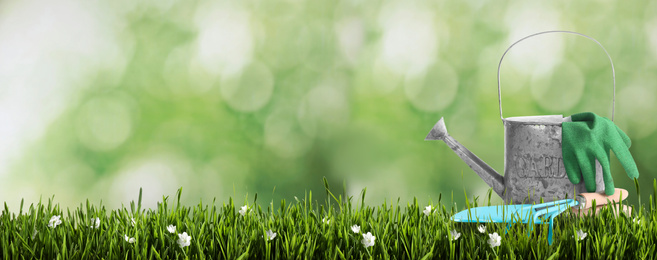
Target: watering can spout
(487,173)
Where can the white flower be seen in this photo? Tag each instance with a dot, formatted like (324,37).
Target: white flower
(368,240)
(355,228)
(494,240)
(95,223)
(637,220)
(326,221)
(129,239)
(482,229)
(34,234)
(54,221)
(184,240)
(133,222)
(171,229)
(243,210)
(581,234)
(427,211)
(271,235)
(455,235)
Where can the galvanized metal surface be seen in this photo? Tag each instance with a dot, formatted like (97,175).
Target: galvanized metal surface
(533,165)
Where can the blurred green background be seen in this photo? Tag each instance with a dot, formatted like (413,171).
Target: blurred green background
(229,98)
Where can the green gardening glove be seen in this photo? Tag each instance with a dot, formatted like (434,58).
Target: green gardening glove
(590,137)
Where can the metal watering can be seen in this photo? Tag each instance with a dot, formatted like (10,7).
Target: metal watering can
(533,162)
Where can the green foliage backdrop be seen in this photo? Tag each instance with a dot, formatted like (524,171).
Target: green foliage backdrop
(228,98)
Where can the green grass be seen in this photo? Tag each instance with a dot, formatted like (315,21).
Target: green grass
(401,231)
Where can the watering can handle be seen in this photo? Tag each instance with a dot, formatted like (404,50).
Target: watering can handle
(613,72)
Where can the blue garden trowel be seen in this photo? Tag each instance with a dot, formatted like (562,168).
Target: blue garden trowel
(524,213)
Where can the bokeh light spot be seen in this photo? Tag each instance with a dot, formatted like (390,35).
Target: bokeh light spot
(225,40)
(324,109)
(538,54)
(560,90)
(636,104)
(409,42)
(351,34)
(104,123)
(651,34)
(249,90)
(384,79)
(284,135)
(185,75)
(285,44)
(155,176)
(434,90)
(464,120)
(49,52)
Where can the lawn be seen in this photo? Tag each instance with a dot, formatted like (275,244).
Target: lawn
(338,228)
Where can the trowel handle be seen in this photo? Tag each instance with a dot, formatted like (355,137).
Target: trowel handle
(613,72)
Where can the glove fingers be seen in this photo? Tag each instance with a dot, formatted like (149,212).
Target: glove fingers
(625,157)
(603,158)
(568,146)
(626,139)
(585,116)
(587,166)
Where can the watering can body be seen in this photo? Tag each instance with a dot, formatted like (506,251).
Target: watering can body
(533,162)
